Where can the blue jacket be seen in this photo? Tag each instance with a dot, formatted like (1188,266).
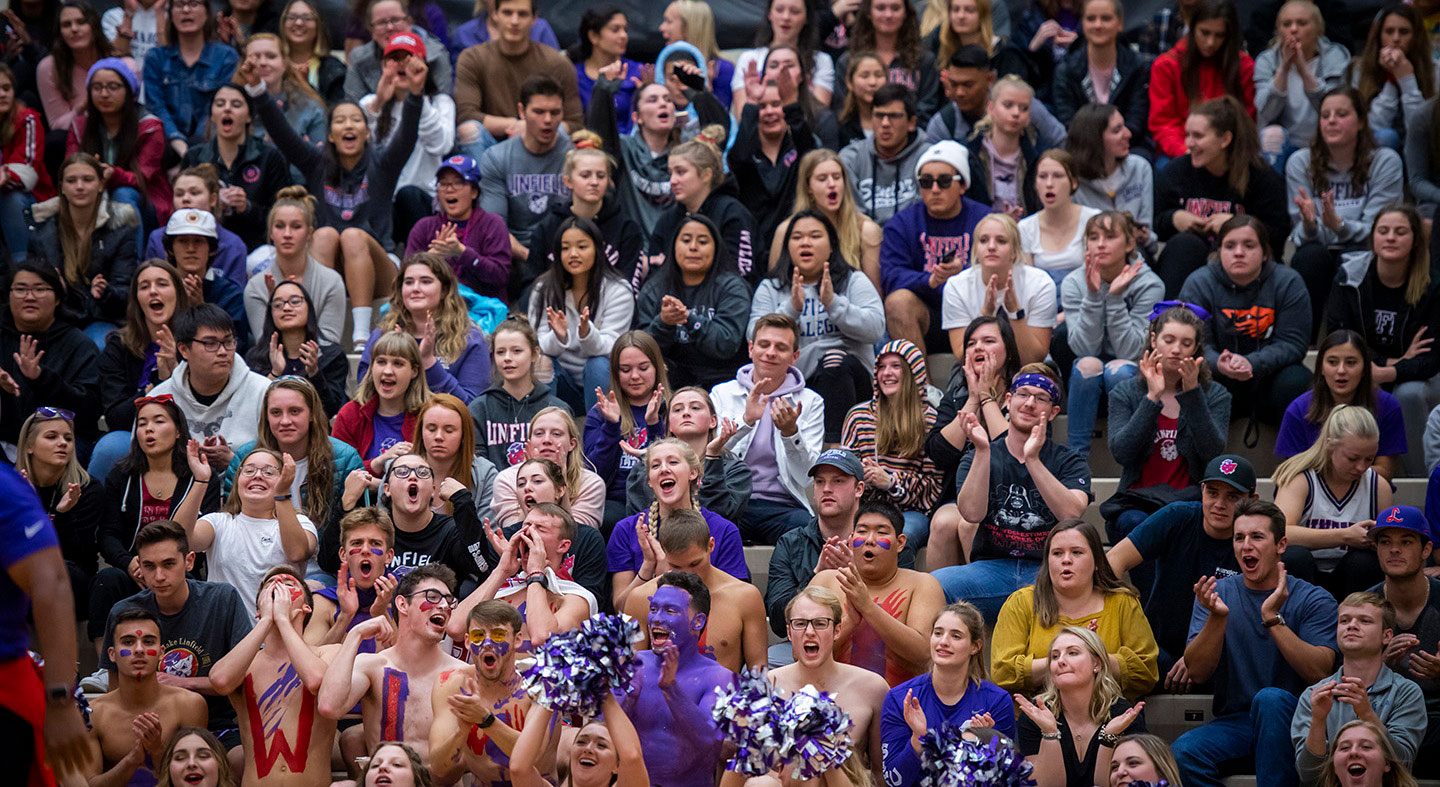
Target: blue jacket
(229,259)
(179,94)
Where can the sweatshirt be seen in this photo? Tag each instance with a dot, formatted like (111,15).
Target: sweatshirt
(588,506)
(261,171)
(150,149)
(1169,105)
(914,243)
(327,292)
(707,349)
(1183,186)
(69,377)
(853,322)
(488,81)
(1267,321)
(235,413)
(1295,108)
(737,230)
(502,422)
(484,265)
(1384,186)
(1131,188)
(1423,171)
(1388,332)
(1396,700)
(1204,423)
(608,319)
(769,187)
(884,186)
(624,243)
(434,137)
(1397,103)
(780,466)
(228,260)
(1113,326)
(24,157)
(464,378)
(602,446)
(517,185)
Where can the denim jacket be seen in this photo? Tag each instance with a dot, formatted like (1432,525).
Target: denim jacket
(179,94)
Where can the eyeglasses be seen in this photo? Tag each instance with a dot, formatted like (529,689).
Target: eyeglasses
(30,292)
(186,5)
(265,471)
(421,472)
(1020,396)
(161,399)
(451,184)
(293,17)
(435,597)
(294,301)
(798,625)
(215,345)
(107,87)
(394,21)
(888,117)
(477,636)
(928,182)
(48,413)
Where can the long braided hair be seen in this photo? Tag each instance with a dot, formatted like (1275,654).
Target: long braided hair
(652,516)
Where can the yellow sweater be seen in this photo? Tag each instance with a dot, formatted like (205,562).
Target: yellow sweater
(1121,624)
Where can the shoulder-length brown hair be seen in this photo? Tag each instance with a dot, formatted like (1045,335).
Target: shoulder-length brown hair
(396,344)
(1373,77)
(320,475)
(1417,268)
(1102,579)
(65,58)
(135,333)
(1364,145)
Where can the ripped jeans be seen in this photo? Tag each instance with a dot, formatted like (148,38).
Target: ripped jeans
(1089,378)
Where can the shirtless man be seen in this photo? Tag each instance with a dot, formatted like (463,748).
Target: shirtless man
(734,632)
(811,618)
(364,589)
(131,724)
(676,685)
(547,603)
(393,686)
(480,713)
(271,678)
(888,609)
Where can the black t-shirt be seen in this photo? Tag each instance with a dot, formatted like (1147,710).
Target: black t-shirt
(1017,519)
(1387,318)
(1174,539)
(584,563)
(212,622)
(1078,772)
(1426,629)
(455,541)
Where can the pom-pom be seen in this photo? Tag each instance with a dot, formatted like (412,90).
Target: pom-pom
(745,713)
(815,733)
(575,669)
(948,760)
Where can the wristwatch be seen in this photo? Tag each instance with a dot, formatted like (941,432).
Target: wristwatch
(57,693)
(1018,315)
(489,719)
(1278,620)
(538,579)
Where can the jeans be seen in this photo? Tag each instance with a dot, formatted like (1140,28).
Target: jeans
(917,530)
(474,148)
(13,226)
(143,209)
(109,449)
(1084,402)
(986,583)
(1388,137)
(1316,263)
(843,380)
(98,330)
(112,585)
(1183,254)
(1357,570)
(580,395)
(765,521)
(1263,731)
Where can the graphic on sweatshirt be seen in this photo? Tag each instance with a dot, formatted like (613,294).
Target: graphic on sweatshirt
(1257,322)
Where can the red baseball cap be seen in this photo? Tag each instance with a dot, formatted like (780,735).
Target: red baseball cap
(405,42)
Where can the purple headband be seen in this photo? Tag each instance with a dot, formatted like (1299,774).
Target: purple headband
(1039,381)
(1192,308)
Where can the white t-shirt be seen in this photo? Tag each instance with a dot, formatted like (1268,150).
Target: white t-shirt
(142,24)
(1059,263)
(822,71)
(964,296)
(245,548)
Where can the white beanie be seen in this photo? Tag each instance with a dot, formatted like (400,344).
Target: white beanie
(949,152)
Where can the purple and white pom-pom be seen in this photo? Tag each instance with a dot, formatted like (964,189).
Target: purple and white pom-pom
(948,760)
(745,714)
(574,670)
(815,733)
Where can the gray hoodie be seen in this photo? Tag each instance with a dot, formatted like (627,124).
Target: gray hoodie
(883,187)
(1384,186)
(1130,188)
(853,322)
(1105,325)
(235,413)
(1295,108)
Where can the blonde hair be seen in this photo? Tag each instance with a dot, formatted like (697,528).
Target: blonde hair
(821,595)
(396,344)
(1107,688)
(586,143)
(1011,229)
(1397,776)
(574,459)
(293,197)
(1158,751)
(848,220)
(703,152)
(291,84)
(949,41)
(1345,420)
(460,465)
(1310,8)
(986,124)
(73,473)
(699,26)
(452,319)
(974,622)
(652,517)
(900,427)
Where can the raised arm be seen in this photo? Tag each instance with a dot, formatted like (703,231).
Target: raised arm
(344,685)
(200,532)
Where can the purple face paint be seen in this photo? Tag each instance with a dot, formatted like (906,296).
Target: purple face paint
(883,543)
(126,653)
(501,648)
(857,542)
(377,552)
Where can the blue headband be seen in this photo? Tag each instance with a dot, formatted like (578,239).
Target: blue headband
(1192,308)
(1039,381)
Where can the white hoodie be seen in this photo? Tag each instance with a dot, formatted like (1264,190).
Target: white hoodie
(794,455)
(235,413)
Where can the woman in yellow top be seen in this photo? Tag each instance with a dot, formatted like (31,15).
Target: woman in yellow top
(1075,588)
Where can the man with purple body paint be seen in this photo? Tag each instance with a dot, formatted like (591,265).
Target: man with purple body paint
(479,714)
(365,587)
(131,724)
(675,686)
(271,678)
(393,686)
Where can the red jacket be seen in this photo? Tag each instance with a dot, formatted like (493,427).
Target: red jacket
(149,152)
(355,424)
(1169,106)
(24,157)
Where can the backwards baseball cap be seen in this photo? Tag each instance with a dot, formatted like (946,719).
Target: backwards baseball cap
(191,222)
(950,152)
(464,166)
(970,56)
(1234,470)
(1401,518)
(842,459)
(405,41)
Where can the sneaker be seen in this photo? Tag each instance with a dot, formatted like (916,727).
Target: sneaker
(97,683)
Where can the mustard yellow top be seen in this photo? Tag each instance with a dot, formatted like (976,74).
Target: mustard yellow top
(1121,624)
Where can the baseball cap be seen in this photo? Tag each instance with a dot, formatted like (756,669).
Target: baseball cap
(191,222)
(842,459)
(950,152)
(1402,518)
(464,166)
(1234,470)
(405,41)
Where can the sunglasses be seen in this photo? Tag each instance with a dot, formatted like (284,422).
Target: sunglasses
(927,182)
(48,413)
(497,635)
(161,399)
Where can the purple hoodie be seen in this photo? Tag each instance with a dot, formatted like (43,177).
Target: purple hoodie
(484,266)
(623,552)
(767,485)
(602,447)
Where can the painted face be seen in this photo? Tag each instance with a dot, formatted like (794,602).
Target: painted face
(809,246)
(442,433)
(390,767)
(428,610)
(409,493)
(593,759)
(155,431)
(137,649)
(54,443)
(671,619)
(420,289)
(391,376)
(1241,255)
(291,586)
(1071,664)
(812,632)
(366,555)
(836,492)
(289,231)
(1071,564)
(690,415)
(577,251)
(492,649)
(1130,763)
(513,355)
(877,546)
(194,764)
(951,642)
(288,308)
(288,416)
(550,438)
(671,477)
(533,486)
(1360,758)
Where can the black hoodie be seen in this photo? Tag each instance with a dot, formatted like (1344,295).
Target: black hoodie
(502,422)
(623,236)
(1389,334)
(769,187)
(737,230)
(69,378)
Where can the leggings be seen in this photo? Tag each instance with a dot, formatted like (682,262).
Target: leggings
(841,381)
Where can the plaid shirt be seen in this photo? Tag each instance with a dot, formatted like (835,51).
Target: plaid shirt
(1162,33)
